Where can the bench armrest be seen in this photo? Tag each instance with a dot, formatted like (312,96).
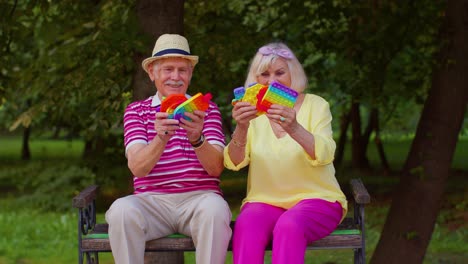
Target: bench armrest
(85,197)
(86,205)
(360,194)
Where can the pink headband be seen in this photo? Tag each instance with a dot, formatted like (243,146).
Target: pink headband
(284,53)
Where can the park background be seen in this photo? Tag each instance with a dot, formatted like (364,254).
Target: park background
(394,73)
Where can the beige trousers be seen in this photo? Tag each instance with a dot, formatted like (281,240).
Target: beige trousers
(135,219)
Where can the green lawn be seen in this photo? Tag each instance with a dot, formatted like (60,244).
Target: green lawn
(32,236)
(29,236)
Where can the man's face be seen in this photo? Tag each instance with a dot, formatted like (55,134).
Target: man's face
(171,75)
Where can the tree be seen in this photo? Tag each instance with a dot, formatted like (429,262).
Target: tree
(381,36)
(417,200)
(154,19)
(72,68)
(224,46)
(355,54)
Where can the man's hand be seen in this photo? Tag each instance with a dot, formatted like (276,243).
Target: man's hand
(165,128)
(194,128)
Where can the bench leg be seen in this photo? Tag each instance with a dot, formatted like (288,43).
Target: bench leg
(173,257)
(359,256)
(92,257)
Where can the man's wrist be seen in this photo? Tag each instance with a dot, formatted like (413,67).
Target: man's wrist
(197,143)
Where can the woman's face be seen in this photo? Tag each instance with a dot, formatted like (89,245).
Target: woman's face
(278,71)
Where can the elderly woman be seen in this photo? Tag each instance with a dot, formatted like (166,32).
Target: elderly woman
(293,197)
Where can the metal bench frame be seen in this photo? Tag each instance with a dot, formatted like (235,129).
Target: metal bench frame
(92,237)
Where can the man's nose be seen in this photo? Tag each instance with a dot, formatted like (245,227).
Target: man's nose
(175,74)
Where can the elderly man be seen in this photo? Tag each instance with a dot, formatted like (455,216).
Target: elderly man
(176,166)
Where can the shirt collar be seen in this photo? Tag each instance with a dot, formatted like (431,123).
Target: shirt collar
(157,102)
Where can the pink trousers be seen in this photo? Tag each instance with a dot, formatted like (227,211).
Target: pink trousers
(289,230)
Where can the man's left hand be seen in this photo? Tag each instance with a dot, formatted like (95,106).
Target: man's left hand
(194,128)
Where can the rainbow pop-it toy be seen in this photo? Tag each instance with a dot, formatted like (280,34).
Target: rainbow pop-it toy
(251,93)
(178,106)
(239,93)
(276,94)
(170,103)
(263,96)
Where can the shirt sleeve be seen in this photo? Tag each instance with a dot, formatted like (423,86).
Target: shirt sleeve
(228,164)
(134,127)
(322,130)
(213,127)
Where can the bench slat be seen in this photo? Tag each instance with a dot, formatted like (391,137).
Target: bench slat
(345,236)
(347,223)
(186,243)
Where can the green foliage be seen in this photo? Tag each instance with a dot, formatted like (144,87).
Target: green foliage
(32,236)
(378,54)
(76,70)
(26,233)
(47,186)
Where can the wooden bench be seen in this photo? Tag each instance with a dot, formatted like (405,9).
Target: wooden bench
(93,237)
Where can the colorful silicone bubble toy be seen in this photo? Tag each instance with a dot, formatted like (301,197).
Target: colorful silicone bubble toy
(251,93)
(238,94)
(170,103)
(197,102)
(277,94)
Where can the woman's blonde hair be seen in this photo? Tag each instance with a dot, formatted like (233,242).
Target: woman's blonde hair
(267,55)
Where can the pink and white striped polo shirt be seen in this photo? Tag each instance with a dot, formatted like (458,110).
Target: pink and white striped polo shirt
(178,169)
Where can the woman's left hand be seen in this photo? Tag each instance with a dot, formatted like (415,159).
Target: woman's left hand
(284,116)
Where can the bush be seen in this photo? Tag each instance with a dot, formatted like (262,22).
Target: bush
(47,186)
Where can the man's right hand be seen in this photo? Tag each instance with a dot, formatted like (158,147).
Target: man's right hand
(165,127)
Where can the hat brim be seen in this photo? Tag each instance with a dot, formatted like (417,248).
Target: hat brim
(146,62)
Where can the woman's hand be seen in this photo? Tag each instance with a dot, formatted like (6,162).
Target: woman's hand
(243,112)
(284,116)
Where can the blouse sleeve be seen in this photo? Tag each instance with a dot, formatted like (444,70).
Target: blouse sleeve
(228,164)
(322,130)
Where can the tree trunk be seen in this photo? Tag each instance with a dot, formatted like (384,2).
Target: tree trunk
(57,130)
(419,195)
(156,17)
(25,150)
(340,148)
(373,126)
(379,145)
(358,149)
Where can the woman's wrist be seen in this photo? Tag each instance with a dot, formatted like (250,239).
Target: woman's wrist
(236,141)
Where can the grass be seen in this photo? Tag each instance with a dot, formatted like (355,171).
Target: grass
(32,236)
(41,149)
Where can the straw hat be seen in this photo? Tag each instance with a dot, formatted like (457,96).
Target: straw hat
(170,46)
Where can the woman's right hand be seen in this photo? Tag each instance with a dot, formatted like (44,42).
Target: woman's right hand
(243,112)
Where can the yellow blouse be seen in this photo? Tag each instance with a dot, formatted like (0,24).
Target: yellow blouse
(281,173)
